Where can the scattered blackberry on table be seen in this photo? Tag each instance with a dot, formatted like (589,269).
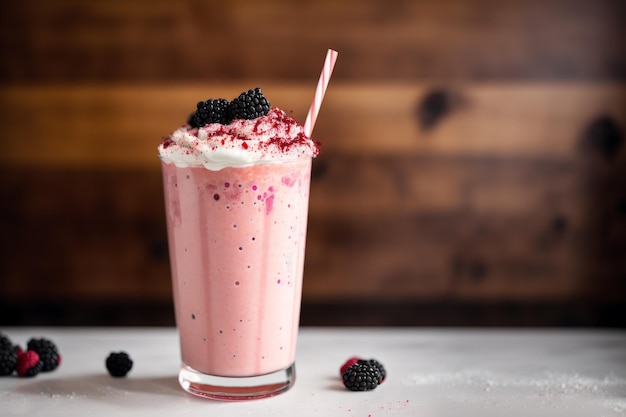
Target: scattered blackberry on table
(8,361)
(211,111)
(249,105)
(28,364)
(374,363)
(4,341)
(361,377)
(119,364)
(47,351)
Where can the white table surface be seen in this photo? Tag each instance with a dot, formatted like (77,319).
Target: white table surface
(431,372)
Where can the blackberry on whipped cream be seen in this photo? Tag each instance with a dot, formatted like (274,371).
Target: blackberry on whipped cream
(249,105)
(256,134)
(211,111)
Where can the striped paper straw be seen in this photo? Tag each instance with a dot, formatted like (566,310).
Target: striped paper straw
(322,84)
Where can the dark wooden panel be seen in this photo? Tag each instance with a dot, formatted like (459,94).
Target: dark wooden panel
(516,191)
(79,235)
(473,151)
(396,228)
(467,229)
(153,41)
(101,125)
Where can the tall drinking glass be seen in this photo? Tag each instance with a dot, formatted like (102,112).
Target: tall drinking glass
(236,242)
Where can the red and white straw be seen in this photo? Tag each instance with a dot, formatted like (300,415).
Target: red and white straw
(322,84)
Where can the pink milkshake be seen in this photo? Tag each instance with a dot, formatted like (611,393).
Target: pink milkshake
(236,193)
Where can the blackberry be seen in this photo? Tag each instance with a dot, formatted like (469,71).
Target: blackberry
(361,377)
(119,364)
(211,111)
(249,105)
(5,342)
(8,361)
(47,351)
(374,363)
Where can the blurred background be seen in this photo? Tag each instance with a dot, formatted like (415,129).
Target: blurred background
(473,170)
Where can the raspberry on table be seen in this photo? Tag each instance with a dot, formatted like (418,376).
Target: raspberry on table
(348,364)
(47,351)
(8,361)
(119,364)
(29,364)
(249,105)
(361,377)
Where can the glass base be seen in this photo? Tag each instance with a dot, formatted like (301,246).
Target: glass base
(236,388)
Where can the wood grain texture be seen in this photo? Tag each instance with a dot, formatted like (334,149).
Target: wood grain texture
(516,193)
(80,235)
(380,227)
(122,124)
(161,40)
(477,229)
(473,151)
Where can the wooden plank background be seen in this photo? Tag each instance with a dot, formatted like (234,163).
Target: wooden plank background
(472,153)
(160,40)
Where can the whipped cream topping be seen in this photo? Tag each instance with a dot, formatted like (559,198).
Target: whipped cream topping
(266,139)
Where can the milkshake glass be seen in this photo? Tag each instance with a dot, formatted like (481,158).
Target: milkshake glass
(237,231)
